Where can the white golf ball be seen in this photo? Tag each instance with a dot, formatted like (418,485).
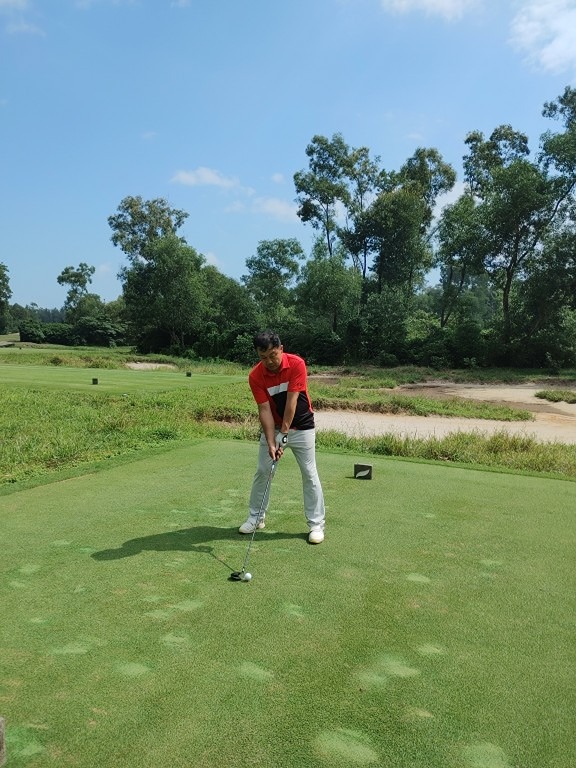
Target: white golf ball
(247,577)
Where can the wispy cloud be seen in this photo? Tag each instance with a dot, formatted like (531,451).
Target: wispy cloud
(278,178)
(13,5)
(205,177)
(24,28)
(545,30)
(247,201)
(448,9)
(275,208)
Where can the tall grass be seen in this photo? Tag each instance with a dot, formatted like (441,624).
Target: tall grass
(43,430)
(558,396)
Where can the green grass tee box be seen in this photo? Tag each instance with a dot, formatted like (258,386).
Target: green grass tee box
(434,627)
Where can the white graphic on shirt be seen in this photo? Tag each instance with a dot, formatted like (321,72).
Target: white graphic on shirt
(278,389)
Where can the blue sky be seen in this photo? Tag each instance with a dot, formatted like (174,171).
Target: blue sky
(210,104)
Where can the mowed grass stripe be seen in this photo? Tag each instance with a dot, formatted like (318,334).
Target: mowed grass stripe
(115,381)
(434,627)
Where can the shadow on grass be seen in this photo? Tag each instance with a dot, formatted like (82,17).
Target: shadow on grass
(184,540)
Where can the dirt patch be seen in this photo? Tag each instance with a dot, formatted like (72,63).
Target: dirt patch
(151,366)
(553,422)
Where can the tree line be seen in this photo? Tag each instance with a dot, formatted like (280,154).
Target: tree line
(504,250)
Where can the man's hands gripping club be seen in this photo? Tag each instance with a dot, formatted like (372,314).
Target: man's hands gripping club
(280,444)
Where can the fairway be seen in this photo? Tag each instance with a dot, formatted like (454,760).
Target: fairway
(434,628)
(108,379)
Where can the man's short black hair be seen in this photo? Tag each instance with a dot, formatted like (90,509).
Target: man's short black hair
(266,339)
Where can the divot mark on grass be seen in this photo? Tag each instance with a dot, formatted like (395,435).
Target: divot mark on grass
(294,610)
(485,755)
(131,669)
(345,747)
(72,649)
(418,578)
(176,642)
(415,713)
(254,672)
(159,614)
(22,742)
(29,569)
(188,605)
(397,667)
(430,650)
(491,563)
(384,668)
(371,679)
(61,543)
(37,620)
(18,585)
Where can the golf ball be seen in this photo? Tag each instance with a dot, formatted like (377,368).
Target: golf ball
(247,576)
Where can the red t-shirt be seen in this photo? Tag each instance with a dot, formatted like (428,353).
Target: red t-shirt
(268,387)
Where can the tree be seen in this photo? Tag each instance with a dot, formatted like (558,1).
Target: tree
(232,313)
(271,276)
(321,187)
(5,295)
(458,256)
(165,295)
(139,223)
(78,280)
(394,225)
(516,207)
(327,289)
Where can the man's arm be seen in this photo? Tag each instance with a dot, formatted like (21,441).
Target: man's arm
(268,427)
(289,411)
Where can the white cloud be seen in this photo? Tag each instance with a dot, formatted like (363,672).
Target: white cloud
(211,258)
(275,208)
(204,177)
(13,5)
(278,178)
(23,28)
(546,31)
(449,9)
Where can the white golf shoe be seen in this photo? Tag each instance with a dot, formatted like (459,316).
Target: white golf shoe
(316,536)
(250,525)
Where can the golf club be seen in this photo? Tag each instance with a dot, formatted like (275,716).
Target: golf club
(243,575)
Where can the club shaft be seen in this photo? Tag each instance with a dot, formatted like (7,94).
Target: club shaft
(260,511)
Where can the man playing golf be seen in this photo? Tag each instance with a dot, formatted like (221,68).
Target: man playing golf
(279,385)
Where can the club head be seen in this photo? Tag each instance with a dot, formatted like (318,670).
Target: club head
(235,576)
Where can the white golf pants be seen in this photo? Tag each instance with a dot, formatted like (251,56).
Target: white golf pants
(302,442)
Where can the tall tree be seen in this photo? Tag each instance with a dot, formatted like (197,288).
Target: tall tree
(516,207)
(5,295)
(165,296)
(139,223)
(321,187)
(328,290)
(458,256)
(271,276)
(78,281)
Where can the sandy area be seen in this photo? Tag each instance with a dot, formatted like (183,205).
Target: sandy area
(553,422)
(150,366)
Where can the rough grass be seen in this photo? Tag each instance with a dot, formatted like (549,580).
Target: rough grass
(558,396)
(52,419)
